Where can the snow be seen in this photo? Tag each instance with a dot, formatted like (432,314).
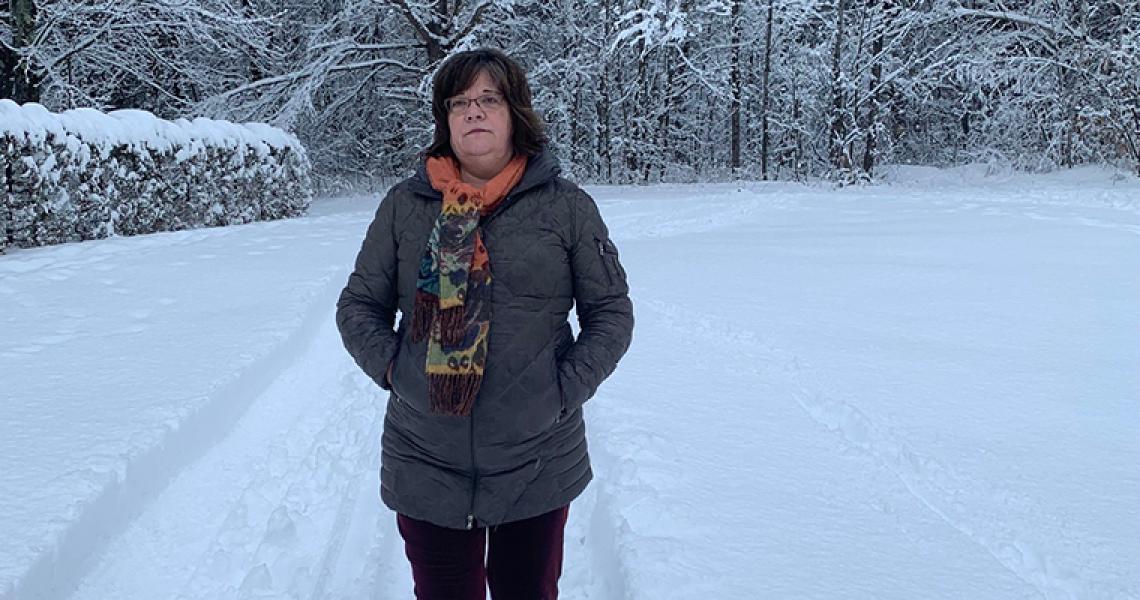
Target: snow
(130,126)
(921,389)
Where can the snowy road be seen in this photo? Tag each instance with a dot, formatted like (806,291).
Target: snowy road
(925,390)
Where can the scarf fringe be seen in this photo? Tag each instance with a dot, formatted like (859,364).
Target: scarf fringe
(452,326)
(422,313)
(453,394)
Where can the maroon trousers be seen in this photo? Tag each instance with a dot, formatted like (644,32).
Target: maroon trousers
(523,558)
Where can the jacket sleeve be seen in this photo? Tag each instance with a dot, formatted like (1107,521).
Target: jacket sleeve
(366,309)
(605,313)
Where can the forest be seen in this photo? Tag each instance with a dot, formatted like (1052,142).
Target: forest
(633,91)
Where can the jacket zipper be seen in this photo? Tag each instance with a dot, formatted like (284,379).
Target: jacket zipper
(471,417)
(474,472)
(474,467)
(498,209)
(605,264)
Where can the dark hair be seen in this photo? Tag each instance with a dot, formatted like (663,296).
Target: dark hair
(459,71)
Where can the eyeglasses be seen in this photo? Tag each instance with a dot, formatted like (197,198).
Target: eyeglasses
(459,105)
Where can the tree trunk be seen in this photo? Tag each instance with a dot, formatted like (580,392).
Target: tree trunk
(1136,131)
(7,71)
(442,24)
(840,158)
(876,94)
(735,83)
(799,158)
(604,137)
(18,76)
(638,161)
(605,154)
(764,140)
(439,29)
(663,132)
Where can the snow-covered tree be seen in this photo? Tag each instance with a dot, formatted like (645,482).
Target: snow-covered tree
(18,79)
(632,90)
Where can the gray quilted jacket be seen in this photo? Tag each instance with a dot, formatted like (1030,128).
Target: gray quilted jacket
(522,451)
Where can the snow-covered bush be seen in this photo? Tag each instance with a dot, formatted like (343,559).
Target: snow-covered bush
(83,174)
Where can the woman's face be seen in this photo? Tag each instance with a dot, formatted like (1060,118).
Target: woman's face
(481,131)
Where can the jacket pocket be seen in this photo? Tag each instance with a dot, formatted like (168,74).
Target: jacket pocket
(565,342)
(399,383)
(392,385)
(608,254)
(561,394)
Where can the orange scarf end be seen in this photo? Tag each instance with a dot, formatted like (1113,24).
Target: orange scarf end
(447,178)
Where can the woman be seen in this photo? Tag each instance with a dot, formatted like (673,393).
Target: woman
(484,252)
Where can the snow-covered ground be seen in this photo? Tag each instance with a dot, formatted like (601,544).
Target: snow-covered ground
(925,389)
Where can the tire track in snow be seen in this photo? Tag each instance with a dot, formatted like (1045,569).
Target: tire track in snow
(372,564)
(1031,211)
(600,571)
(299,495)
(232,566)
(342,522)
(981,511)
(278,491)
(995,204)
(58,571)
(593,567)
(717,210)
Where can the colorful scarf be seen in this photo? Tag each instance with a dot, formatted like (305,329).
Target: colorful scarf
(453,291)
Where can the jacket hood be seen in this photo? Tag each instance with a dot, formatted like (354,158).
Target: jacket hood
(540,169)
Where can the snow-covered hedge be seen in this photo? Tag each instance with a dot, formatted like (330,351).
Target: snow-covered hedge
(83,174)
